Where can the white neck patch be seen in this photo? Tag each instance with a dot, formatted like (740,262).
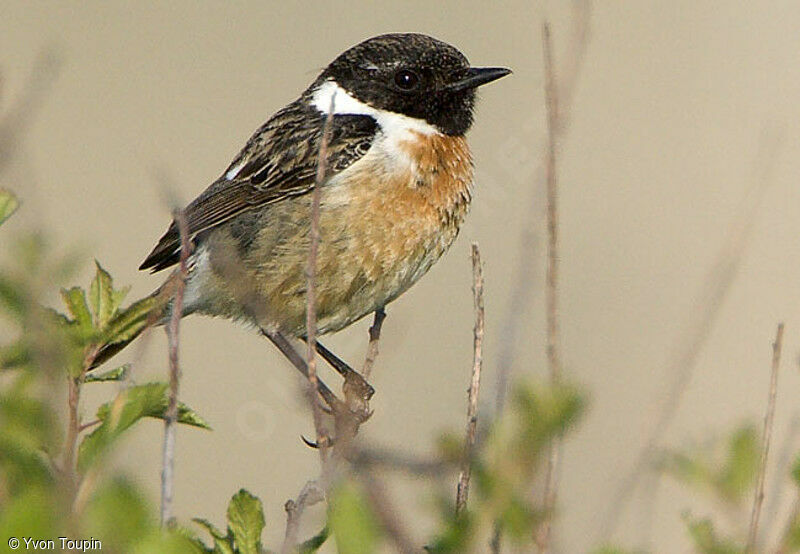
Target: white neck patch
(346,104)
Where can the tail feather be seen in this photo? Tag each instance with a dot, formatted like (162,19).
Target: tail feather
(131,322)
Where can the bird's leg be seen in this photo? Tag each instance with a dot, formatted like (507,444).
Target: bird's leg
(286,348)
(357,393)
(351,376)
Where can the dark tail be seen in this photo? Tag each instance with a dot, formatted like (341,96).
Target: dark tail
(131,322)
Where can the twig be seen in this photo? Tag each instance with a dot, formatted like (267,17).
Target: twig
(89,424)
(462,491)
(551,290)
(372,347)
(782,464)
(171,415)
(521,289)
(715,288)
(387,514)
(74,425)
(18,119)
(311,494)
(375,458)
(765,440)
(311,287)
(313,491)
(794,517)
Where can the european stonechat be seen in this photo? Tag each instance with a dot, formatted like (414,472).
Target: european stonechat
(398,185)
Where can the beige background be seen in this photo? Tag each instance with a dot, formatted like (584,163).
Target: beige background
(668,119)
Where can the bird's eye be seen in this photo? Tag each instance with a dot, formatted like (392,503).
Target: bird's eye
(405,79)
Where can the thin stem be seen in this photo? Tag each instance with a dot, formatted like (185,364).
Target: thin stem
(372,347)
(717,283)
(769,418)
(73,426)
(311,290)
(462,491)
(171,414)
(89,424)
(551,290)
(312,493)
(387,514)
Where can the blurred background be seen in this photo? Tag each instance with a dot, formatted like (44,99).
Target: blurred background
(684,133)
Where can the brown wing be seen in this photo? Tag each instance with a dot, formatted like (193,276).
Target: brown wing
(278,162)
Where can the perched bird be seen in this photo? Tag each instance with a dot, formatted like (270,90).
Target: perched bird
(398,185)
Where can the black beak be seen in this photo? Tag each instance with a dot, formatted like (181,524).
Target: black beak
(477,76)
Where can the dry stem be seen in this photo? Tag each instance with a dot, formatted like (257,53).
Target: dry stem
(311,287)
(553,353)
(521,289)
(312,493)
(717,283)
(462,491)
(765,440)
(171,415)
(372,347)
(387,514)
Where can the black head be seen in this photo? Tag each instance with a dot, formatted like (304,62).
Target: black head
(415,75)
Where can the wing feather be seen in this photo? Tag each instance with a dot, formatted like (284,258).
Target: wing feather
(278,162)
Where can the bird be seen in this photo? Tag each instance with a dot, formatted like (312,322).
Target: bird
(398,184)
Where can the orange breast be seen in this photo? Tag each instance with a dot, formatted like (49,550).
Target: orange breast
(408,218)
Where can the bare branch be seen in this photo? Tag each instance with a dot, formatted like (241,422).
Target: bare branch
(715,288)
(171,415)
(521,289)
(387,514)
(312,493)
(769,418)
(786,539)
(311,287)
(375,458)
(372,348)
(551,290)
(462,491)
(18,119)
(783,464)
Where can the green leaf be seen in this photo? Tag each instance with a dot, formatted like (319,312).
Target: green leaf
(223,544)
(352,522)
(8,204)
(13,299)
(31,514)
(101,296)
(116,374)
(28,429)
(796,471)
(738,476)
(118,515)
(728,469)
(14,355)
(706,539)
(167,542)
(246,522)
(315,543)
(210,527)
(75,300)
(130,405)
